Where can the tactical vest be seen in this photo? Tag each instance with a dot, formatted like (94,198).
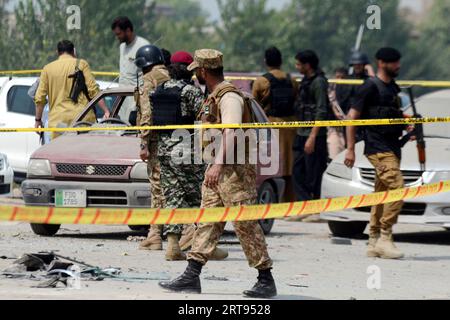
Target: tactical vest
(281,96)
(166,106)
(306,104)
(210,112)
(388,107)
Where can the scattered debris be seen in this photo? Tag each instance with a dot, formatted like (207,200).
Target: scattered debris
(52,283)
(8,258)
(136,238)
(229,242)
(341,241)
(53,272)
(296,285)
(214,278)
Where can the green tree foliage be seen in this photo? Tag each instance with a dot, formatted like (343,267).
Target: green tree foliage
(432,48)
(247,28)
(42,23)
(4,50)
(331,28)
(186,28)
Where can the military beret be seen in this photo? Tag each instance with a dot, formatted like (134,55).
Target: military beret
(207,58)
(388,55)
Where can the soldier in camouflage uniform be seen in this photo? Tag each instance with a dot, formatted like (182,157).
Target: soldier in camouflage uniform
(150,60)
(225,185)
(180,182)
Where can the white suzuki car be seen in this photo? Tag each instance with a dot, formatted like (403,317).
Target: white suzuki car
(17,110)
(6,177)
(340,181)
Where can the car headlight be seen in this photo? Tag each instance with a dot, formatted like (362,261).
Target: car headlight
(340,171)
(139,171)
(434,177)
(39,168)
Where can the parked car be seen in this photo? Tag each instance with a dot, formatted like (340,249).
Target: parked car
(6,176)
(102,168)
(339,181)
(17,109)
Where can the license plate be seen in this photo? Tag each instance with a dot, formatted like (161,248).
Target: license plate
(70,198)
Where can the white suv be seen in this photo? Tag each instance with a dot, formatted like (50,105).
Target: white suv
(17,110)
(6,177)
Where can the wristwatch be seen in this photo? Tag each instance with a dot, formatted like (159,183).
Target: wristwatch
(38,120)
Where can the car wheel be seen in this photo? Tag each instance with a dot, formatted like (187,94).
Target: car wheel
(267,195)
(347,229)
(46,230)
(139,228)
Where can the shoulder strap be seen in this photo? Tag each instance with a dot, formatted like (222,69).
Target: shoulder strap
(77,66)
(270,77)
(227,88)
(378,83)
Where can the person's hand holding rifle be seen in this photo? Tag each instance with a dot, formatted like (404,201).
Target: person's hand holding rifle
(416,133)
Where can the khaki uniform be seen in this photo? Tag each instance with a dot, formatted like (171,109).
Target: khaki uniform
(56,84)
(261,92)
(388,177)
(237,186)
(158,75)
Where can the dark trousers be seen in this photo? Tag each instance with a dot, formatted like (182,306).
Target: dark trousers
(309,168)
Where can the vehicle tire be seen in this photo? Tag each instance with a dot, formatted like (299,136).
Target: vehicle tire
(267,194)
(139,228)
(46,230)
(347,229)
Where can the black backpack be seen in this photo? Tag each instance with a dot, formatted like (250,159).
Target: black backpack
(282,97)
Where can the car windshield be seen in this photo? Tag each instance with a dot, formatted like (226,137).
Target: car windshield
(436,104)
(122,110)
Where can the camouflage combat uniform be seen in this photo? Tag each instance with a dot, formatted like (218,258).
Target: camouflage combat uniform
(237,186)
(181,183)
(158,75)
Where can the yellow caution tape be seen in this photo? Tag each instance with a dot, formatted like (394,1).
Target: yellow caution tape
(266,125)
(51,215)
(406,83)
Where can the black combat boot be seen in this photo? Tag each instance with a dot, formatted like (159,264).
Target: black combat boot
(265,287)
(188,282)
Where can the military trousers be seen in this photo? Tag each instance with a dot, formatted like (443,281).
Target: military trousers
(249,233)
(388,177)
(181,187)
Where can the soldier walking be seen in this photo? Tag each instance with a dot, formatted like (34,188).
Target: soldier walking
(225,185)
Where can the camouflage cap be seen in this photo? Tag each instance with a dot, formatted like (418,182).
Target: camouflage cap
(207,58)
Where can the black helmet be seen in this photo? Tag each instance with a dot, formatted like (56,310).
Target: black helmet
(148,56)
(358,58)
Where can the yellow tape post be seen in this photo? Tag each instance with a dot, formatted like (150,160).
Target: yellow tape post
(266,125)
(51,215)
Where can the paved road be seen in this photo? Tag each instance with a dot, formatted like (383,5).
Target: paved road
(307,265)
